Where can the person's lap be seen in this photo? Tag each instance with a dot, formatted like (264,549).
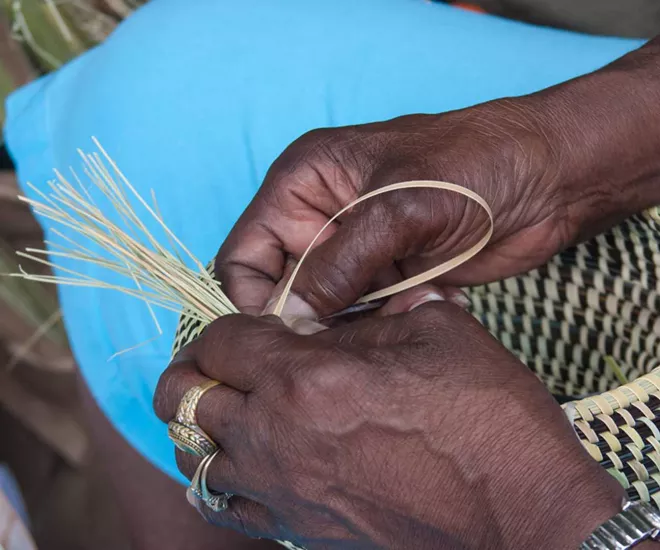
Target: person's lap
(195,102)
(155,510)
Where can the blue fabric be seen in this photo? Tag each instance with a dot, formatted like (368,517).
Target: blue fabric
(196,99)
(10,489)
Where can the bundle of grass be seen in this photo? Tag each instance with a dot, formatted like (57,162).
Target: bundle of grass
(154,272)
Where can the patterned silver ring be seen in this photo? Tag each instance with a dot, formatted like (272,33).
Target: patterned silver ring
(218,502)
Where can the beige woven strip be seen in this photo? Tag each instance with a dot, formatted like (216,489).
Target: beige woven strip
(613,443)
(615,460)
(629,419)
(648,413)
(654,429)
(609,422)
(593,451)
(654,443)
(640,471)
(417,279)
(635,393)
(642,490)
(655,458)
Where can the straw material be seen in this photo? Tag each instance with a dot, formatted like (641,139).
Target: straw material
(584,323)
(153,272)
(43,35)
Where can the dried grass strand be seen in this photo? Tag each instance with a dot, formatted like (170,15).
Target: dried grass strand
(417,279)
(158,274)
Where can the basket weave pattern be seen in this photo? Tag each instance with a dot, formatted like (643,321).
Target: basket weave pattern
(596,301)
(591,304)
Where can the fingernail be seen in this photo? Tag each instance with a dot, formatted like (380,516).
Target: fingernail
(460,299)
(428,297)
(294,306)
(303,326)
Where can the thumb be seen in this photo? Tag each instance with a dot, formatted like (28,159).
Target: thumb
(370,239)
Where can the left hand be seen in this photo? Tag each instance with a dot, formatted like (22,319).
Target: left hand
(417,430)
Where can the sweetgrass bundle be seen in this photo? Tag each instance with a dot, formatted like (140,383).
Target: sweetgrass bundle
(153,272)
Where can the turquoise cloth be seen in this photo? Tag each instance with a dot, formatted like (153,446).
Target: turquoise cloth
(196,99)
(10,489)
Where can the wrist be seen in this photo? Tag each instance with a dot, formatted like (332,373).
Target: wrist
(564,509)
(604,133)
(649,545)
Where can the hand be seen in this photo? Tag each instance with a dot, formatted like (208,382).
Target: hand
(556,167)
(416,430)
(494,149)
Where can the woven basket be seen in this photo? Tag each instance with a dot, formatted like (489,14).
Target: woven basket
(568,321)
(590,307)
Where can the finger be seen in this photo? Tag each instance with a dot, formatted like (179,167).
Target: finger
(400,303)
(222,476)
(243,351)
(394,329)
(420,295)
(368,332)
(245,516)
(182,375)
(299,316)
(387,276)
(278,223)
(370,240)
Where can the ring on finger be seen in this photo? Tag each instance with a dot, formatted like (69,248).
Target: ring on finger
(198,489)
(184,431)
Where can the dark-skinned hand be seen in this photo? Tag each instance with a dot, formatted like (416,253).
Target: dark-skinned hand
(411,429)
(556,167)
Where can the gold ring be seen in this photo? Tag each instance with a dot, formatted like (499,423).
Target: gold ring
(189,440)
(199,490)
(184,431)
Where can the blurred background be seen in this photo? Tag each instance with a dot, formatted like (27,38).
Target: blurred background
(47,468)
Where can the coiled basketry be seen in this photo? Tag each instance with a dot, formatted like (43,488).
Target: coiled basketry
(591,308)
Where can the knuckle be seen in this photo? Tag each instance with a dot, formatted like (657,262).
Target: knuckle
(231,334)
(409,207)
(432,318)
(162,402)
(330,285)
(313,386)
(314,143)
